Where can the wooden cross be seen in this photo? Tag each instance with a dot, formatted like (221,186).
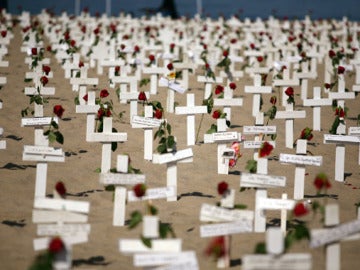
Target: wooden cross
(316,102)
(340,141)
(257,90)
(120,179)
(171,160)
(148,122)
(300,160)
(289,115)
(221,137)
(190,110)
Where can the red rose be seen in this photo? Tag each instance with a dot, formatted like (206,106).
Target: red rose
(265,149)
(306,134)
(216,247)
(3,33)
(81,64)
(216,114)
(273,100)
(260,59)
(232,162)
(56,245)
(60,189)
(340,70)
(225,53)
(58,110)
(158,114)
(252,46)
(170,66)
(48,48)
(233,40)
(232,85)
(222,188)
(142,96)
(327,85)
(33,51)
(332,54)
(204,46)
(139,190)
(172,46)
(289,91)
(321,181)
(207,66)
(104,93)
(300,209)
(219,89)
(340,112)
(113,27)
(72,43)
(151,58)
(96,31)
(85,97)
(44,80)
(136,49)
(117,69)
(46,69)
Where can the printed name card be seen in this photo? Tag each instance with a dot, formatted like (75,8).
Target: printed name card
(259,129)
(275,204)
(256,144)
(216,214)
(355,131)
(262,180)
(61,204)
(49,216)
(43,150)
(153,193)
(172,85)
(296,261)
(158,259)
(145,122)
(121,179)
(301,160)
(62,229)
(38,121)
(157,245)
(323,237)
(173,157)
(240,226)
(221,136)
(341,138)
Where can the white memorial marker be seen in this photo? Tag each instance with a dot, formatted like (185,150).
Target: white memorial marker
(340,141)
(228,101)
(119,180)
(300,160)
(173,87)
(355,131)
(332,236)
(208,81)
(222,138)
(190,110)
(340,96)
(154,76)
(80,84)
(171,160)
(106,137)
(124,94)
(184,67)
(316,102)
(285,83)
(148,122)
(289,115)
(257,90)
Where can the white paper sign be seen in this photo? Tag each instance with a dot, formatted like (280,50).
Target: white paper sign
(217,214)
(145,121)
(225,136)
(172,85)
(43,150)
(64,229)
(212,230)
(262,180)
(61,204)
(143,260)
(38,121)
(256,144)
(291,261)
(355,131)
(153,193)
(341,138)
(121,179)
(274,204)
(259,129)
(301,160)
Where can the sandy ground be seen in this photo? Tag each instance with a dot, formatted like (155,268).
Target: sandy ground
(197,181)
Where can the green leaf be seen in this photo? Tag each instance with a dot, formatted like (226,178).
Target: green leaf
(153,210)
(146,241)
(59,137)
(161,148)
(240,206)
(136,218)
(251,166)
(114,146)
(110,188)
(168,128)
(52,136)
(97,170)
(27,80)
(54,124)
(335,125)
(171,141)
(260,248)
(76,100)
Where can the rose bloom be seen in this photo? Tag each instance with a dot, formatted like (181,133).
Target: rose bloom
(225,53)
(252,46)
(60,189)
(273,100)
(170,66)
(265,149)
(85,97)
(44,80)
(46,69)
(117,69)
(289,91)
(151,58)
(33,51)
(81,64)
(321,181)
(222,188)
(136,49)
(158,114)
(56,245)
(300,209)
(327,85)
(103,112)
(172,46)
(306,134)
(3,33)
(142,96)
(96,31)
(216,114)
(340,70)
(72,43)
(139,190)
(236,147)
(332,54)
(216,247)
(219,89)
(232,162)
(104,93)
(48,48)
(58,110)
(259,59)
(204,46)
(340,112)
(232,85)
